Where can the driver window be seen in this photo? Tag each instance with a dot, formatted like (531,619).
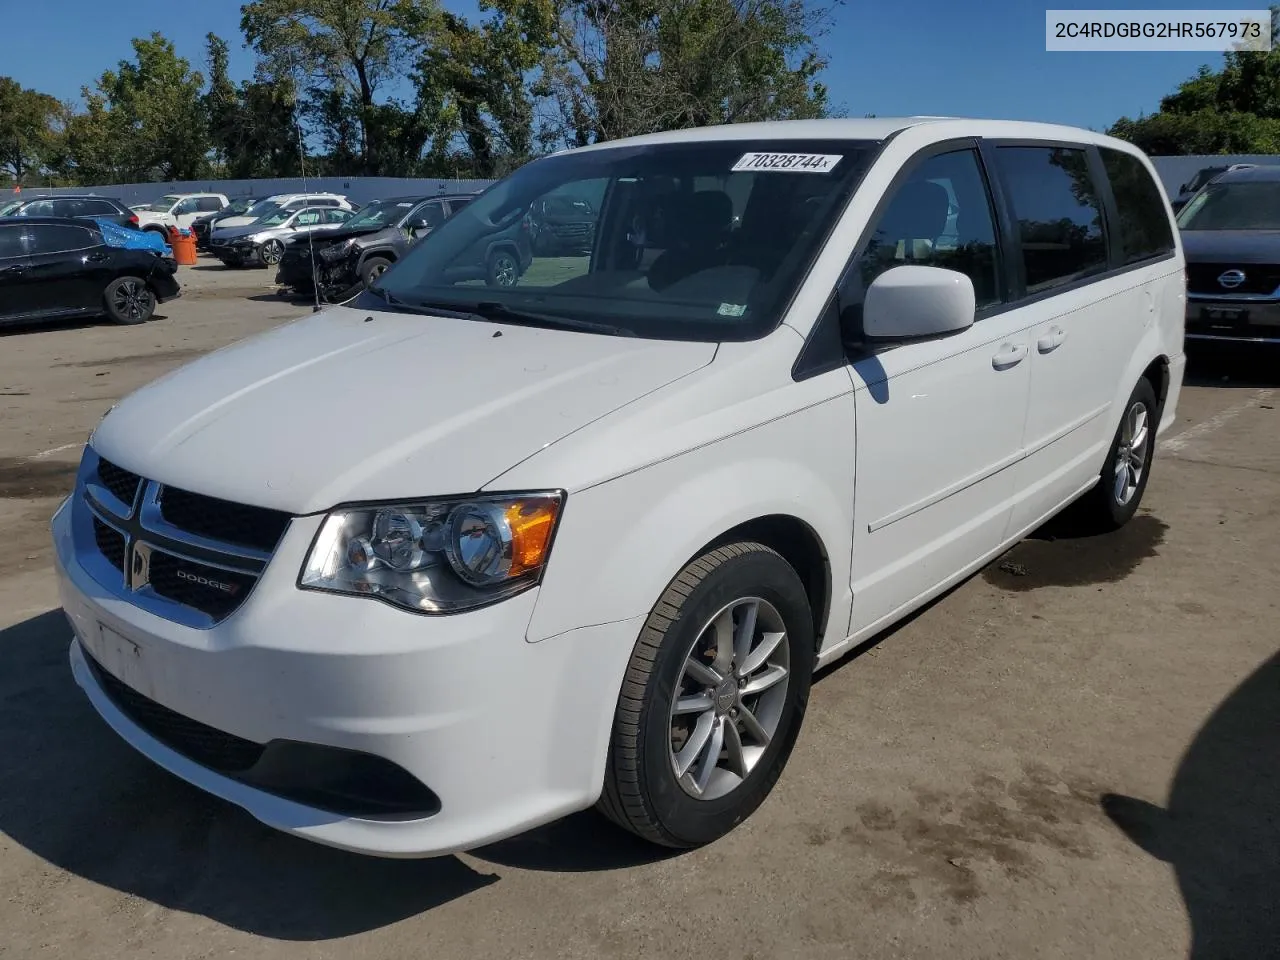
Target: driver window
(186,206)
(940,217)
(308,218)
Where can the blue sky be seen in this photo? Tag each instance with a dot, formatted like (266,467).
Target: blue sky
(982,58)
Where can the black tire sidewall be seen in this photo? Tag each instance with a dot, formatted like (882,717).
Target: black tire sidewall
(1121,514)
(690,821)
(109,301)
(367,269)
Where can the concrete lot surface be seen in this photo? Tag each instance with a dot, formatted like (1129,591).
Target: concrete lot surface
(1074,754)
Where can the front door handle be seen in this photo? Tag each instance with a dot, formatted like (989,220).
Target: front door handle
(1051,340)
(1010,354)
(16,268)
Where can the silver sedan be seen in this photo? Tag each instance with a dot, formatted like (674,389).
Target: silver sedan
(263,240)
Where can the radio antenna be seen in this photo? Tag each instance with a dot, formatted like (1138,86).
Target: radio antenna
(306,192)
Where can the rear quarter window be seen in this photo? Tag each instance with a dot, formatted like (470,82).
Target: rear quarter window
(1144,230)
(59,238)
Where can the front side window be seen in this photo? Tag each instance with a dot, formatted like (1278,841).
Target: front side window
(337,216)
(1058,213)
(37,208)
(1234,205)
(275,219)
(1144,226)
(57,238)
(379,213)
(431,214)
(940,217)
(307,218)
(208,204)
(699,240)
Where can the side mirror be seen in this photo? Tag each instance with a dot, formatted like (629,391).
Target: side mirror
(914,302)
(419,224)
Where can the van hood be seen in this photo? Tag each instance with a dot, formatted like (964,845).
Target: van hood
(353,404)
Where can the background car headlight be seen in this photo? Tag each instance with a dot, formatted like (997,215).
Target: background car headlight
(437,556)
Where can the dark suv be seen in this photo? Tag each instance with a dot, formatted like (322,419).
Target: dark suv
(76,208)
(342,261)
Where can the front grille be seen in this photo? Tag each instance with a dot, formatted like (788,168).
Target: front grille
(237,523)
(110,542)
(119,481)
(203,744)
(1259,278)
(183,555)
(200,586)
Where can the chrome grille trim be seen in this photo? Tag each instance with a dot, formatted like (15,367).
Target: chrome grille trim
(146,533)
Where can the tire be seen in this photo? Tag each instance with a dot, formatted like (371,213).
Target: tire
(271,252)
(128,300)
(502,270)
(643,791)
(1109,505)
(372,269)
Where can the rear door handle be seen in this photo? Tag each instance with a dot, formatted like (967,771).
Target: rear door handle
(1010,354)
(16,268)
(1051,340)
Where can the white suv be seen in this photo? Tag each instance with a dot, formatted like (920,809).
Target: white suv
(178,210)
(584,538)
(283,201)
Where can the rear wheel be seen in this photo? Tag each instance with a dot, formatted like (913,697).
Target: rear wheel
(503,270)
(372,269)
(128,300)
(1115,499)
(713,699)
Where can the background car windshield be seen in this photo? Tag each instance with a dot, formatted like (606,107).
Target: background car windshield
(5,208)
(275,219)
(379,214)
(163,205)
(239,206)
(698,241)
(1234,206)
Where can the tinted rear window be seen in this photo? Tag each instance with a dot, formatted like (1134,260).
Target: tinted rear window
(1144,226)
(1059,214)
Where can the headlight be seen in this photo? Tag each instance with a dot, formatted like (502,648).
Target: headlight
(438,556)
(336,251)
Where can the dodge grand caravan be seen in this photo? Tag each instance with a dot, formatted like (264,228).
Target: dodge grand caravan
(449,561)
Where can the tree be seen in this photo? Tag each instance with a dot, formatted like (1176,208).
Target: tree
(27,119)
(342,52)
(253,127)
(625,67)
(1233,110)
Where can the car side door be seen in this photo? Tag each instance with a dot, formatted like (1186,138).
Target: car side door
(939,421)
(15,272)
(186,211)
(70,267)
(425,218)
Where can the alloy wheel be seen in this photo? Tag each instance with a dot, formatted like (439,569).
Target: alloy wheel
(272,252)
(1131,453)
(132,299)
(730,699)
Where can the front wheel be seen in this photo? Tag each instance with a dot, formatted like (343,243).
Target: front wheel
(128,300)
(271,252)
(713,700)
(503,270)
(372,269)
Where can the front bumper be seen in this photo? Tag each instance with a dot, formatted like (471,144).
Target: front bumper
(505,733)
(1242,318)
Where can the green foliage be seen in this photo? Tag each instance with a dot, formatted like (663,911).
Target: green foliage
(27,119)
(1229,111)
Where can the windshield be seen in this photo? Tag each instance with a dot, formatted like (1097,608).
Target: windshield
(5,208)
(163,205)
(379,213)
(275,219)
(237,207)
(692,241)
(1243,205)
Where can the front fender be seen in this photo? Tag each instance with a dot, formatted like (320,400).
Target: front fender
(621,542)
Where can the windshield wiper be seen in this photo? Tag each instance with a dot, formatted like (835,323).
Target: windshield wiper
(493,310)
(425,307)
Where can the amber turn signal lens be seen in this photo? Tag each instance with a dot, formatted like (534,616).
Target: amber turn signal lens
(531,523)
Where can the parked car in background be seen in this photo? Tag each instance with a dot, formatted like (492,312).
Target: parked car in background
(86,207)
(366,245)
(179,210)
(7,205)
(417,574)
(201,226)
(284,201)
(1231,236)
(562,226)
(57,268)
(1204,176)
(263,241)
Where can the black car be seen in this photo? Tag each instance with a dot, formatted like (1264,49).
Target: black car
(201,226)
(357,253)
(57,268)
(75,207)
(562,226)
(1231,238)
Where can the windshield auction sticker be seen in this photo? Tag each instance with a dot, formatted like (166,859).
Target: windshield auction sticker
(787,162)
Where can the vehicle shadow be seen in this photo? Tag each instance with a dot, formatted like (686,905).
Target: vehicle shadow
(1220,830)
(81,799)
(1232,365)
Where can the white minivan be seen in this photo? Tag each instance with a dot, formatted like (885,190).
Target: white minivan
(448,561)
